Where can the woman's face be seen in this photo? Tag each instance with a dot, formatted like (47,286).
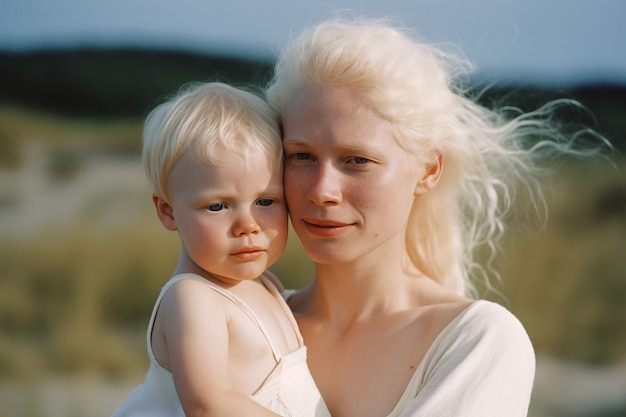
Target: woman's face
(349,185)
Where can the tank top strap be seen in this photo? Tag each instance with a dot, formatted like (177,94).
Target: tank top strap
(225,293)
(282,301)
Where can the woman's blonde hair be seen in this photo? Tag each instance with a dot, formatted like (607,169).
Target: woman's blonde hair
(421,90)
(202,119)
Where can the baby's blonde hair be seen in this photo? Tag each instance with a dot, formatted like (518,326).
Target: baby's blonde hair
(202,119)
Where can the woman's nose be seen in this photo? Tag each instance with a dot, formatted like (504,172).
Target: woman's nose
(325,186)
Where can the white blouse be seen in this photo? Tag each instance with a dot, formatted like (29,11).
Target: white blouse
(481,365)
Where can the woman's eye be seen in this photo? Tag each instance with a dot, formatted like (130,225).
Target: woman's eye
(301,156)
(216,207)
(360,160)
(265,202)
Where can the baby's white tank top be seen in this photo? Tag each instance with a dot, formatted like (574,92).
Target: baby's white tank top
(289,390)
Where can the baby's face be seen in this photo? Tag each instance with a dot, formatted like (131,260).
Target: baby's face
(232,217)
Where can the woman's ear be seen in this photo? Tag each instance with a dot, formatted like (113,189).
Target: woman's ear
(165,213)
(432,174)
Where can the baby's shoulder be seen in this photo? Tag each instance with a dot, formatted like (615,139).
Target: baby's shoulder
(190,292)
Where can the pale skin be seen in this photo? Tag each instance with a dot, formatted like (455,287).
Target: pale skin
(369,316)
(232,229)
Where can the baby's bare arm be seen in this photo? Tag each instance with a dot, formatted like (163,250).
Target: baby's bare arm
(195,330)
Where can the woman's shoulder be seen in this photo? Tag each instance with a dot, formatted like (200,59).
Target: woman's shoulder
(484,338)
(489,323)
(484,352)
(488,315)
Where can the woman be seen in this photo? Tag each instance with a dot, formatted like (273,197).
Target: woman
(393,178)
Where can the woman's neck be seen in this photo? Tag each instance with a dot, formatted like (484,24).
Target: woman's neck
(359,290)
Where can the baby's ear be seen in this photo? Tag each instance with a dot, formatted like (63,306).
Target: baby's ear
(432,174)
(165,213)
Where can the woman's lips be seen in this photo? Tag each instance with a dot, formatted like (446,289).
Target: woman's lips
(325,228)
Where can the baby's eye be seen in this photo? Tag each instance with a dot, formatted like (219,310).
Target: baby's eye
(216,207)
(265,202)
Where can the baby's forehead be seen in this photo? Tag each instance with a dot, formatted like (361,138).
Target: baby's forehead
(242,159)
(245,152)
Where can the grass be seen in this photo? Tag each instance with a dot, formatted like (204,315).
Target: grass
(568,281)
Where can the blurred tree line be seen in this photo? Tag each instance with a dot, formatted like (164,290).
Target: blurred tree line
(129,82)
(114,83)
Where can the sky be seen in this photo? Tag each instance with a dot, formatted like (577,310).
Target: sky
(549,41)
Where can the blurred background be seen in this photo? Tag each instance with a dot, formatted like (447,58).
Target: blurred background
(83,257)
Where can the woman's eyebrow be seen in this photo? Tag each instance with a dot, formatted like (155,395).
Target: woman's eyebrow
(294,142)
